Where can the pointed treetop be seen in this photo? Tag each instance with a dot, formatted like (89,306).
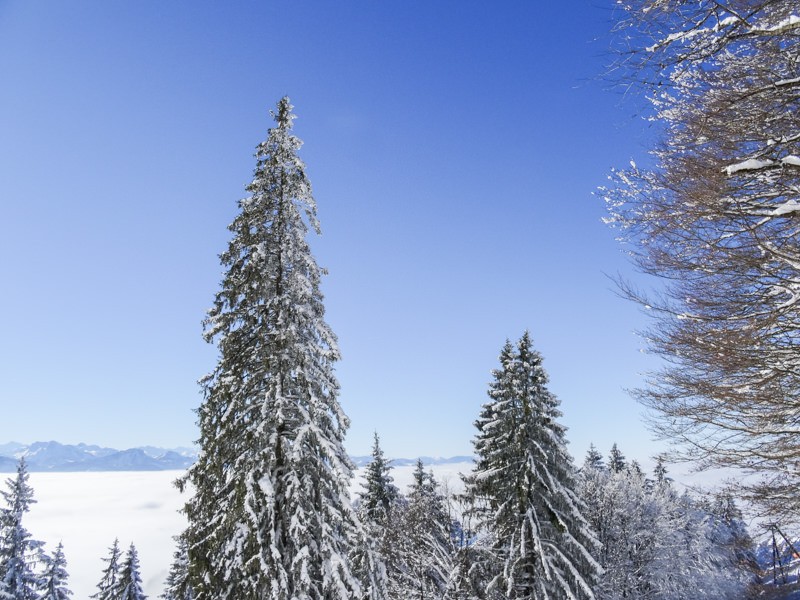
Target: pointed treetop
(593,460)
(284,116)
(55,576)
(424,483)
(108,587)
(379,493)
(616,460)
(130,577)
(660,470)
(419,470)
(19,496)
(419,475)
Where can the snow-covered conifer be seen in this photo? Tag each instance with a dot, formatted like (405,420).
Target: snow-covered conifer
(660,470)
(130,579)
(427,532)
(378,505)
(616,460)
(593,460)
(55,576)
(380,493)
(271,517)
(109,584)
(177,586)
(19,553)
(474,566)
(525,477)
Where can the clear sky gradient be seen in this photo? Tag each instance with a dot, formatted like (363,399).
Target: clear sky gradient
(454,148)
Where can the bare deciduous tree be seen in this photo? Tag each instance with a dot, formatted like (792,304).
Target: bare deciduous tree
(717,219)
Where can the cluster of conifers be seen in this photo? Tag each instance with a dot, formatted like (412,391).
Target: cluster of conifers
(27,572)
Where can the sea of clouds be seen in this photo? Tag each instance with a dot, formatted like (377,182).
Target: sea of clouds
(87,511)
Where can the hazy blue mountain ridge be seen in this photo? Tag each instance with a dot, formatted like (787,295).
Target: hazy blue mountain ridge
(56,457)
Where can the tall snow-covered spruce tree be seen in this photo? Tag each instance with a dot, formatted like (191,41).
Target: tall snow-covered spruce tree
(270,517)
(524,483)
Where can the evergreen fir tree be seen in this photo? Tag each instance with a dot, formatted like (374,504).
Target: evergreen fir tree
(616,460)
(19,553)
(270,517)
(109,585)
(525,475)
(427,531)
(177,586)
(130,579)
(474,566)
(55,576)
(380,493)
(378,506)
(593,460)
(660,471)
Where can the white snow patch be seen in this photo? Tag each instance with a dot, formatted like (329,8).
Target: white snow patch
(751,164)
(791,160)
(788,23)
(787,207)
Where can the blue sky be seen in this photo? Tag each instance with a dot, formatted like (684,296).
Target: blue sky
(453,147)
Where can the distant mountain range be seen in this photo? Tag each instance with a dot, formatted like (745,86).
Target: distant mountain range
(362,461)
(56,457)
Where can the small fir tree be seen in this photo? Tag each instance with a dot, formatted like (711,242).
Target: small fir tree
(109,585)
(19,553)
(525,477)
(474,564)
(427,531)
(130,579)
(730,531)
(378,505)
(593,460)
(177,586)
(380,494)
(616,460)
(55,576)
(660,471)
